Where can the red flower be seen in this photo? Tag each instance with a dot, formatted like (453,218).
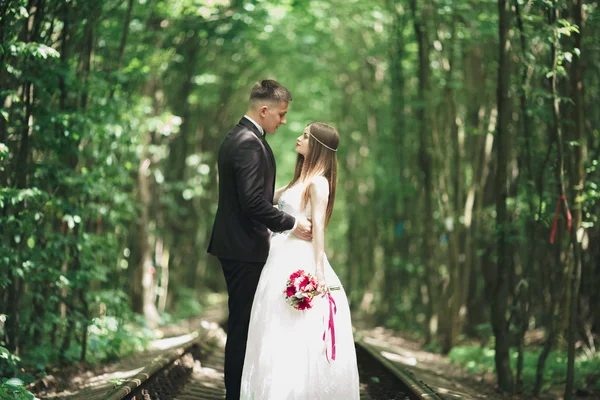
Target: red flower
(290,291)
(304,282)
(304,304)
(296,274)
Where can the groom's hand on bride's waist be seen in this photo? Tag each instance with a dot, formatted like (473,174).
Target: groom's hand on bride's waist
(303,229)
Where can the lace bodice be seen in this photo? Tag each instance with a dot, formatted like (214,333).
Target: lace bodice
(290,202)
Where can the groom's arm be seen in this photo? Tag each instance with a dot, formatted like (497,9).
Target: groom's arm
(249,165)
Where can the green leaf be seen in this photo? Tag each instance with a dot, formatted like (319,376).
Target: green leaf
(46,51)
(569,57)
(15,382)
(4,353)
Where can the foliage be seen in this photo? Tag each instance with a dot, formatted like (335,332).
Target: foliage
(112,338)
(480,360)
(188,307)
(14,389)
(111,114)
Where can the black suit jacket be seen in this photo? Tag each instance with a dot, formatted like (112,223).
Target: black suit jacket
(246,188)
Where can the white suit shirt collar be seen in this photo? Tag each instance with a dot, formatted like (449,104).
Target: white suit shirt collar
(260,129)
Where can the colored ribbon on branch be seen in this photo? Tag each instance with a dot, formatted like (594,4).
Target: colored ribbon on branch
(554,225)
(330,328)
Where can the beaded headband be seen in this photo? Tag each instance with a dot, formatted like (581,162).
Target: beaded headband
(314,137)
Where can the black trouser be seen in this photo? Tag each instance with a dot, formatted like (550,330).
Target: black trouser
(242,280)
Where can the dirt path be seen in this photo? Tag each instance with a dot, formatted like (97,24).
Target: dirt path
(436,370)
(447,378)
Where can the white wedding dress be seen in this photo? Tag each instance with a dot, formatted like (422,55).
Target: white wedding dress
(285,355)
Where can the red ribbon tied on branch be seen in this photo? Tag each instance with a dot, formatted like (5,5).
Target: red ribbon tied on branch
(330,327)
(553,233)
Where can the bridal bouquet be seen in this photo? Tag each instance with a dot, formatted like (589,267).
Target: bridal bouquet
(301,288)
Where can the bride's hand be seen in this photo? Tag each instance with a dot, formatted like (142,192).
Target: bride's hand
(322,287)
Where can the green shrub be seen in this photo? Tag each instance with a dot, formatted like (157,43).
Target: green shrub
(8,362)
(187,305)
(14,389)
(110,338)
(478,360)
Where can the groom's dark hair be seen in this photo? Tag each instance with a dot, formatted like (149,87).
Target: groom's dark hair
(269,90)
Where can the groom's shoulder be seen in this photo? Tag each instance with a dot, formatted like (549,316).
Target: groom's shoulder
(241,130)
(243,134)
(240,137)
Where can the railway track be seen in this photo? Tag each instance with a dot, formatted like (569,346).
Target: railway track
(195,372)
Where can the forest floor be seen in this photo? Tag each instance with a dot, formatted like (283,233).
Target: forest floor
(444,376)
(91,381)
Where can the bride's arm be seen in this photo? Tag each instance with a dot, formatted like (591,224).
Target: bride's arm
(278,194)
(319,197)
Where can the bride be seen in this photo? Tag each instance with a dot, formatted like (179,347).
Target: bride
(290,353)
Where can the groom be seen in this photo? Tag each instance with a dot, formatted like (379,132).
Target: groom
(245,216)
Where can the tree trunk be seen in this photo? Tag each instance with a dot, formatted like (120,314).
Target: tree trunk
(143,296)
(523,291)
(425,163)
(123,42)
(452,188)
(184,223)
(85,63)
(479,148)
(396,212)
(500,286)
(577,179)
(539,376)
(125,34)
(20,174)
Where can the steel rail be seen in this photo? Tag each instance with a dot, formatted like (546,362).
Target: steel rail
(419,389)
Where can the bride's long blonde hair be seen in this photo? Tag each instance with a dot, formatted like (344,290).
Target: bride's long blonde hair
(320,160)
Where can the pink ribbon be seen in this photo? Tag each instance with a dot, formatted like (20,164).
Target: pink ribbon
(330,327)
(553,233)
